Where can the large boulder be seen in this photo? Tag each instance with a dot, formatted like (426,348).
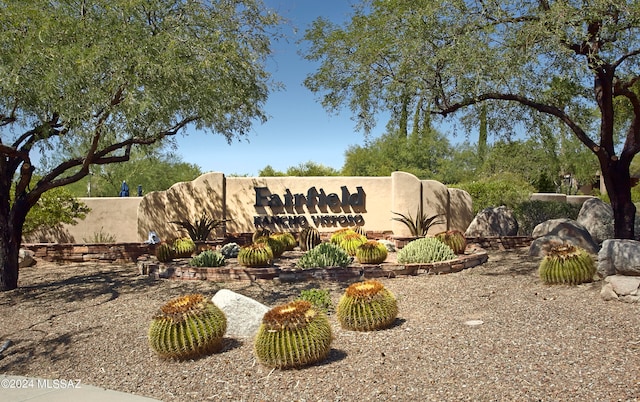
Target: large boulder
(491,222)
(597,217)
(556,232)
(619,257)
(244,315)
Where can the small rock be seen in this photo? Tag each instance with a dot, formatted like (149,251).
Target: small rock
(244,315)
(624,285)
(607,293)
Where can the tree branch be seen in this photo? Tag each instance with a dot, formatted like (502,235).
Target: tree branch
(102,157)
(543,108)
(624,57)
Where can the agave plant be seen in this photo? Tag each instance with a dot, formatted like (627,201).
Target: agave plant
(419,224)
(200,229)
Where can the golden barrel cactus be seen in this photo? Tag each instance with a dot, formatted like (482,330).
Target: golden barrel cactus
(293,335)
(367,306)
(187,327)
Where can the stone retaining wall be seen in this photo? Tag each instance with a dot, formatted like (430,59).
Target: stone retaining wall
(131,252)
(180,270)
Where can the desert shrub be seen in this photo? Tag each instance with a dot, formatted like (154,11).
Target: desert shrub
(208,258)
(100,237)
(325,255)
(531,213)
(319,298)
(503,189)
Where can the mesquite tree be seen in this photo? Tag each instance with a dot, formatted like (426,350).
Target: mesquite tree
(96,78)
(574,61)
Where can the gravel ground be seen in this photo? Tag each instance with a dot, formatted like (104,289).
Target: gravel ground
(536,342)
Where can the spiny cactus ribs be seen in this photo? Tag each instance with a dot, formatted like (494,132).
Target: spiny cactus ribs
(567,264)
(187,327)
(371,252)
(454,239)
(367,306)
(293,335)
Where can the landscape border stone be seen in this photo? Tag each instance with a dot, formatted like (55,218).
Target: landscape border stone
(180,270)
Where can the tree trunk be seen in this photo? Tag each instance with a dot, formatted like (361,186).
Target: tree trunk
(10,241)
(8,263)
(618,182)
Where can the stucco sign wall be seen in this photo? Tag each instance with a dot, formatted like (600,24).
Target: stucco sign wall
(292,203)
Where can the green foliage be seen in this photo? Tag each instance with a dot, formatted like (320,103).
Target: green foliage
(187,327)
(325,255)
(529,214)
(293,335)
(95,82)
(567,265)
(319,298)
(230,250)
(309,238)
(200,229)
(100,237)
(255,255)
(208,258)
(425,250)
(454,239)
(550,64)
(419,224)
(151,169)
(371,252)
(164,252)
(544,184)
(367,306)
(183,247)
(424,153)
(504,189)
(304,169)
(54,208)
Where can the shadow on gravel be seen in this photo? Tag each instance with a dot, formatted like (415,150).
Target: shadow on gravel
(19,354)
(84,286)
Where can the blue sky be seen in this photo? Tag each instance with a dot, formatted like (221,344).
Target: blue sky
(298,129)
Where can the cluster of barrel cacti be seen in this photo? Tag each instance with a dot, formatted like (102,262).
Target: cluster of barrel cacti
(291,335)
(567,264)
(187,327)
(425,250)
